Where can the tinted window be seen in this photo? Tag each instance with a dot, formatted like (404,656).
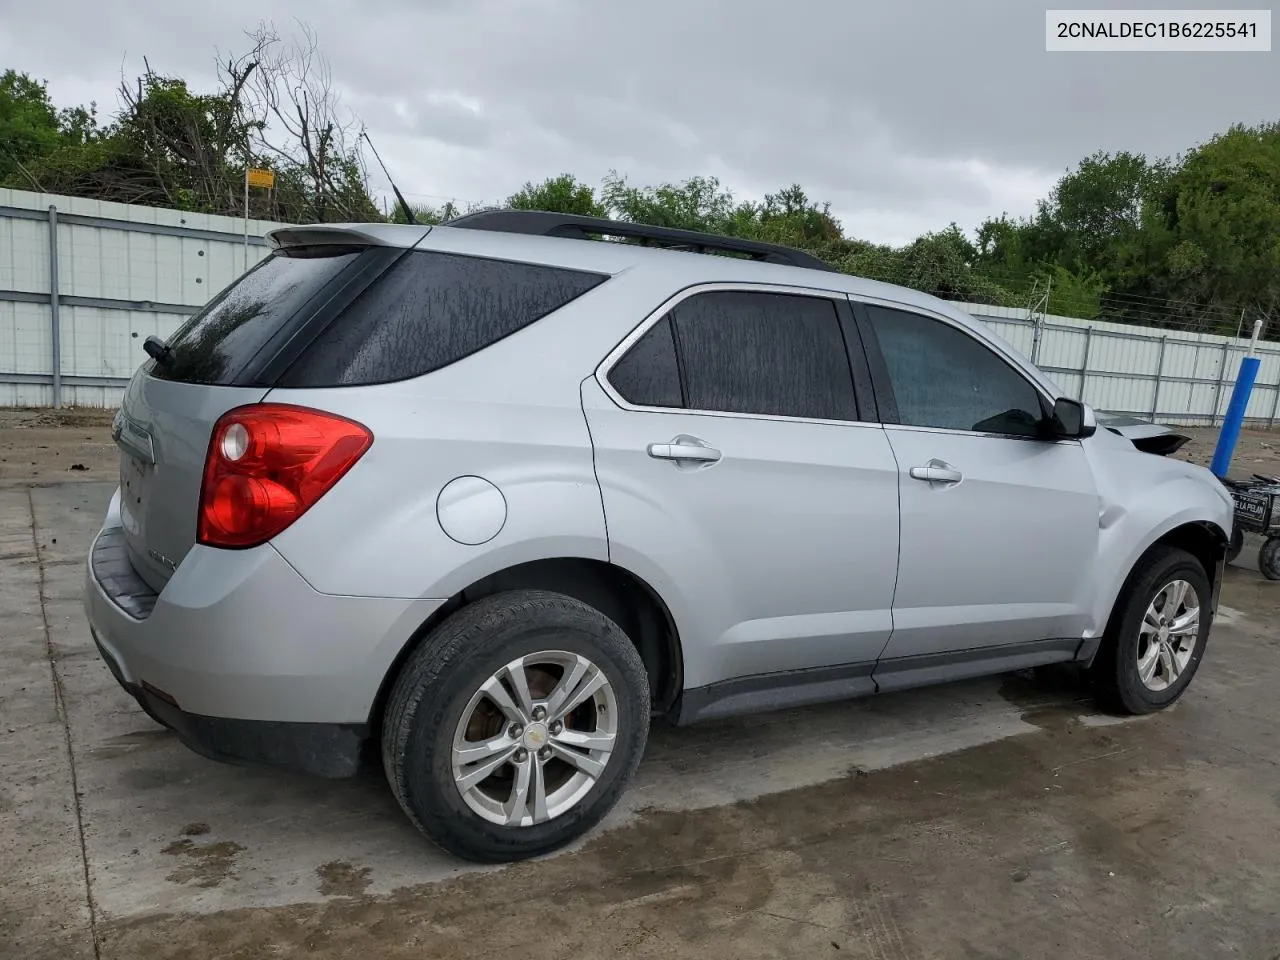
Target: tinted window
(647,374)
(942,377)
(431,310)
(215,344)
(764,353)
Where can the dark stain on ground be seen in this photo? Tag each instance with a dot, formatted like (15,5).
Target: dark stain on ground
(1052,697)
(206,865)
(150,735)
(338,878)
(195,829)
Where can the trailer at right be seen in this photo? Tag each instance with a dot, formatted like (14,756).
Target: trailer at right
(1257,510)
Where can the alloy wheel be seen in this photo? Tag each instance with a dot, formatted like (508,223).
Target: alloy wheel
(535,738)
(1168,634)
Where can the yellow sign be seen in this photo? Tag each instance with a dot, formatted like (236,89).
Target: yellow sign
(260,178)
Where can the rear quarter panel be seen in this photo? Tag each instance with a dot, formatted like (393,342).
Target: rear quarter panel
(510,414)
(377,533)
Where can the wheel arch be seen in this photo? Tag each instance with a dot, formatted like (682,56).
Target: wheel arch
(619,594)
(1203,539)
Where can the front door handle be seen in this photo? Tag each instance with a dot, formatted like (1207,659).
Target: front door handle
(937,471)
(685,449)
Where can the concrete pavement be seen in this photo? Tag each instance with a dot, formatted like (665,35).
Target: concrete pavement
(986,819)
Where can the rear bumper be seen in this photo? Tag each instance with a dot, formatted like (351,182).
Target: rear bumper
(242,658)
(322,749)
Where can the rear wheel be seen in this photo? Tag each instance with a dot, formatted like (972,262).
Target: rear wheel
(1157,635)
(515,726)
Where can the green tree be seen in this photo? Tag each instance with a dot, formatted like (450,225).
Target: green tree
(700,203)
(1215,234)
(28,124)
(794,215)
(790,218)
(32,130)
(1095,209)
(1072,294)
(942,264)
(1005,246)
(562,194)
(181,148)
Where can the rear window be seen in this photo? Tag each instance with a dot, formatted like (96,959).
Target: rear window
(219,341)
(431,310)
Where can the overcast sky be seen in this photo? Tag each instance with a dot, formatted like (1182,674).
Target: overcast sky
(904,114)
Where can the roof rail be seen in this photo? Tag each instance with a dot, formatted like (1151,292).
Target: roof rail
(572,226)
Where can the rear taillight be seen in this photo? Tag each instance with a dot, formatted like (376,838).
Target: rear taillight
(267,465)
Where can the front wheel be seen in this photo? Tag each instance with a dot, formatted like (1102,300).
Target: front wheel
(515,726)
(1157,634)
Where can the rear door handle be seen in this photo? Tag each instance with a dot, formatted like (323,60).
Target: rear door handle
(937,471)
(685,449)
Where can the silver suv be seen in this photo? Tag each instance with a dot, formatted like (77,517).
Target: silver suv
(480,500)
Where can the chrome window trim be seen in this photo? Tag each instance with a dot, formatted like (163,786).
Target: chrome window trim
(606,365)
(949,431)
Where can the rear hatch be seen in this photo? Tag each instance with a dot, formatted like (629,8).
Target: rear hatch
(333,306)
(213,363)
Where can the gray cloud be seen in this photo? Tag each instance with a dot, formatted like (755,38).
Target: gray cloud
(904,115)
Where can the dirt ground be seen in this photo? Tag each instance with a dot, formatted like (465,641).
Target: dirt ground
(998,818)
(48,446)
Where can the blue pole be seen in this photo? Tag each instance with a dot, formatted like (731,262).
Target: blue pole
(1235,414)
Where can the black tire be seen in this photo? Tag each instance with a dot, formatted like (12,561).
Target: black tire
(1236,544)
(1114,673)
(1269,558)
(438,681)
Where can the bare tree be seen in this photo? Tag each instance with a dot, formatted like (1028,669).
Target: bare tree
(185,143)
(305,126)
(237,126)
(274,105)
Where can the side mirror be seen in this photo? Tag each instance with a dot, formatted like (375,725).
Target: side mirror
(1072,420)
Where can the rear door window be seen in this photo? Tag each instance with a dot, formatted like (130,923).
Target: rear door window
(647,375)
(759,353)
(215,345)
(431,310)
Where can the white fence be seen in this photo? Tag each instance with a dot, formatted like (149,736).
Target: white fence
(86,282)
(1166,375)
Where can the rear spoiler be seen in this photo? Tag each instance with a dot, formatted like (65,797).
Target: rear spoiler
(346,234)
